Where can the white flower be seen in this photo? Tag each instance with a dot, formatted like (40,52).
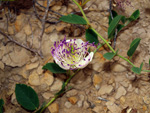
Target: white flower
(72,54)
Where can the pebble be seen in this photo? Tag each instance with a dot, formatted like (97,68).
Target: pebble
(32,66)
(113,107)
(27,29)
(47,78)
(120,92)
(16,58)
(72,100)
(146,99)
(80,103)
(97,80)
(34,79)
(47,95)
(68,104)
(39,70)
(57,85)
(105,89)
(86,105)
(119,67)
(53,108)
(131,76)
(72,92)
(2,65)
(122,100)
(13,99)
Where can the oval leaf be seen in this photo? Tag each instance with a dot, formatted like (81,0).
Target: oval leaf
(133,46)
(54,68)
(136,70)
(1,105)
(109,56)
(91,36)
(73,19)
(113,25)
(26,97)
(135,15)
(114,14)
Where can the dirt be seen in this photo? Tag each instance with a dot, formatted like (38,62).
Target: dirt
(102,87)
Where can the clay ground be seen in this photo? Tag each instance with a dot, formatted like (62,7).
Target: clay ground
(102,87)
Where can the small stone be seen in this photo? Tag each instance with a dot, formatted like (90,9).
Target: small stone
(136,90)
(68,104)
(34,59)
(131,76)
(11,30)
(80,103)
(27,29)
(56,8)
(72,100)
(72,92)
(130,88)
(97,109)
(146,99)
(113,107)
(16,58)
(47,95)
(49,29)
(144,107)
(13,99)
(119,67)
(32,66)
(122,100)
(86,105)
(120,92)
(56,85)
(34,79)
(1,65)
(19,22)
(60,27)
(81,97)
(76,32)
(97,80)
(39,70)
(105,89)
(47,78)
(53,108)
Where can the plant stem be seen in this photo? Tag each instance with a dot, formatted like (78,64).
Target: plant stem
(81,11)
(105,41)
(56,96)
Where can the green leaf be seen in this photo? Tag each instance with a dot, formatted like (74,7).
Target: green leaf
(133,46)
(113,25)
(39,111)
(54,68)
(119,27)
(136,70)
(135,15)
(26,97)
(109,55)
(123,19)
(73,19)
(149,61)
(91,36)
(141,66)
(1,105)
(114,14)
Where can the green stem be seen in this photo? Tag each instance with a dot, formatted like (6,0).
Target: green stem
(98,47)
(54,98)
(146,70)
(81,11)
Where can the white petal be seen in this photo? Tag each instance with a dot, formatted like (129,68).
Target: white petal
(64,66)
(83,63)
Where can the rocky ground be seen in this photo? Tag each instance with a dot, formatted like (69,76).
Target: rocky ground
(102,87)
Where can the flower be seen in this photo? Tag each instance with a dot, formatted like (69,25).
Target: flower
(72,54)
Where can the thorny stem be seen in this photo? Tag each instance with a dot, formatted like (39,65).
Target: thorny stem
(105,41)
(56,96)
